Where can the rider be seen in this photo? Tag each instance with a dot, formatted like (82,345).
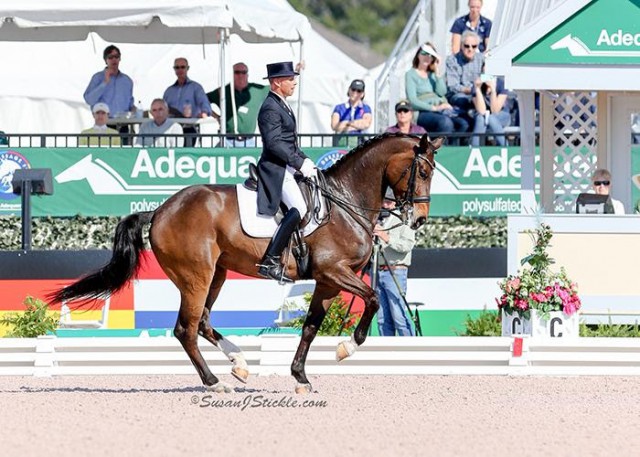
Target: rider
(281,158)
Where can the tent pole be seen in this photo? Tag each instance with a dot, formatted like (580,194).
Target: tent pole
(299,110)
(223,101)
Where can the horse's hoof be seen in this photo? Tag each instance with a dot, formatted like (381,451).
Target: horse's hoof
(220,388)
(344,350)
(241,374)
(303,388)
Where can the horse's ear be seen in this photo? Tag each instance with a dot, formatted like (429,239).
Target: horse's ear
(437,143)
(424,143)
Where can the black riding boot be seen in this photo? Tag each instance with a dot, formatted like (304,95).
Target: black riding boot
(270,266)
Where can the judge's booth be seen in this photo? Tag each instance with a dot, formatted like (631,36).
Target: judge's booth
(574,67)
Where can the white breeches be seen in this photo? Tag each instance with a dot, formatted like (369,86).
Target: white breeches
(291,194)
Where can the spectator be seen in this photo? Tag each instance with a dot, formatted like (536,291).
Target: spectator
(396,242)
(601,180)
(463,69)
(248,99)
(111,86)
(426,92)
(473,22)
(160,125)
(186,98)
(491,110)
(353,116)
(404,117)
(95,136)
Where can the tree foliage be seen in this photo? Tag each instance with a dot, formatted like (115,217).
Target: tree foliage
(377,23)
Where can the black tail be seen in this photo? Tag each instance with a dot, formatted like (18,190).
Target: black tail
(124,264)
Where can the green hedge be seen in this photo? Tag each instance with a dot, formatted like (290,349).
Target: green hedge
(80,232)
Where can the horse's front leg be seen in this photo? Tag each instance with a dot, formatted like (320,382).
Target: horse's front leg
(320,303)
(350,282)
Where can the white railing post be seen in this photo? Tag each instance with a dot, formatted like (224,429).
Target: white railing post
(45,359)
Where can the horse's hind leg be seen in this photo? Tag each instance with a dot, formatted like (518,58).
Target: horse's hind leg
(186,331)
(240,368)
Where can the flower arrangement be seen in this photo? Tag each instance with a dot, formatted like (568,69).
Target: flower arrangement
(537,287)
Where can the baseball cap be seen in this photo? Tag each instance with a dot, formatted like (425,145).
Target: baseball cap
(403,104)
(357,84)
(388,195)
(100,107)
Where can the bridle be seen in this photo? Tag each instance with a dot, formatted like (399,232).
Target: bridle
(406,202)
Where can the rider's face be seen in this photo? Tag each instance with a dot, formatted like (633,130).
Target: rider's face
(287,85)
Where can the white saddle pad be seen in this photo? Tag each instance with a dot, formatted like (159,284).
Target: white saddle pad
(258,226)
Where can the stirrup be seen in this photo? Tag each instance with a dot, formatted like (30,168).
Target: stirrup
(274,271)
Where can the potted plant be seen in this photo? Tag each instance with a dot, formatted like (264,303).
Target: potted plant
(538,301)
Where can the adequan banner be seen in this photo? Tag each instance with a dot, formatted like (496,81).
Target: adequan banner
(119,181)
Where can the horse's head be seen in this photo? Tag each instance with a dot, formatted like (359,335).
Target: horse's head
(409,174)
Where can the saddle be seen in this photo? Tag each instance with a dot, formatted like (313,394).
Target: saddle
(298,246)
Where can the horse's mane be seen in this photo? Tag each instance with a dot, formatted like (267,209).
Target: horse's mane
(366,145)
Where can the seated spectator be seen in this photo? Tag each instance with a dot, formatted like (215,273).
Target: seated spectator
(473,22)
(404,118)
(426,92)
(186,98)
(248,100)
(463,69)
(95,136)
(601,180)
(491,110)
(160,125)
(353,116)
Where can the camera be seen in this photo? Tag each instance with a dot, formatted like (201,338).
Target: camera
(384,213)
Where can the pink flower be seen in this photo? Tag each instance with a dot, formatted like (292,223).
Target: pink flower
(522,304)
(512,285)
(538,296)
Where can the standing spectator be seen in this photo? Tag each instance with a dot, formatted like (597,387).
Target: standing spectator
(396,242)
(186,98)
(111,86)
(426,91)
(248,99)
(463,69)
(473,22)
(160,125)
(95,136)
(281,157)
(491,110)
(353,116)
(404,117)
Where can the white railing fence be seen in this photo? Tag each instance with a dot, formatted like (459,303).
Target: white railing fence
(270,354)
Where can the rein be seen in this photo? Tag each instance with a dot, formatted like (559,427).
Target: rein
(405,204)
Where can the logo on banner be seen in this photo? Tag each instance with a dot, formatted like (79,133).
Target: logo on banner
(330,158)
(10,161)
(104,180)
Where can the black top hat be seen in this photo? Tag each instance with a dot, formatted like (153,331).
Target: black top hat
(280,69)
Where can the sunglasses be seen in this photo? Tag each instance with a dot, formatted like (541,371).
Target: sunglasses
(470,46)
(601,183)
(113,56)
(402,110)
(357,90)
(179,67)
(240,72)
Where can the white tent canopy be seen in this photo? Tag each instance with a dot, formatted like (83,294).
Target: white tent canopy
(125,21)
(41,92)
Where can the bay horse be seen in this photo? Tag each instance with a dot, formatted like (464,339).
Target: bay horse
(196,237)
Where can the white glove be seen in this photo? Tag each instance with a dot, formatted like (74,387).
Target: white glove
(308,169)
